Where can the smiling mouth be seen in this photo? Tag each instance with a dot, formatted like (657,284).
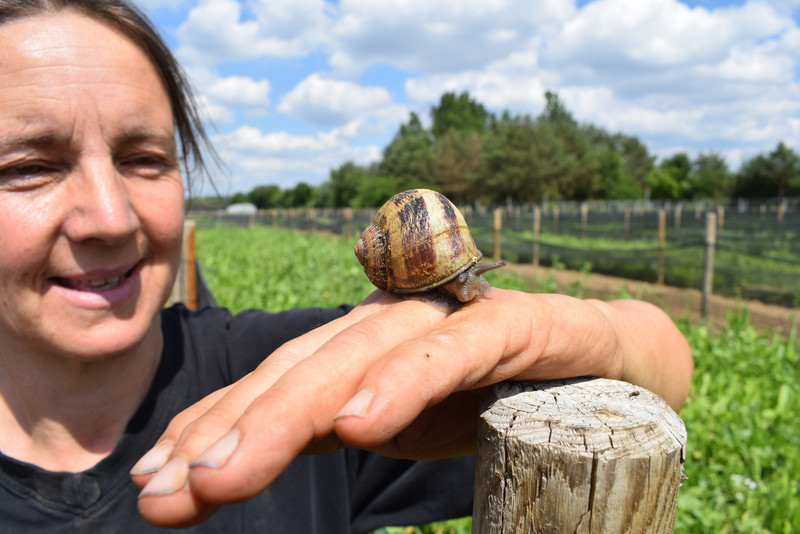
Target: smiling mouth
(96,285)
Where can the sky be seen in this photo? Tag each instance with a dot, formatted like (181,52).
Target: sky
(291,89)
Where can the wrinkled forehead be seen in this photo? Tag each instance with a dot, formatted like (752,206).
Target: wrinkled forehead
(64,74)
(67,38)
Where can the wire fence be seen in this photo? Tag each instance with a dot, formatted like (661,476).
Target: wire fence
(756,252)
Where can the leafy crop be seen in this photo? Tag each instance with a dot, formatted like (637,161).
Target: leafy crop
(741,416)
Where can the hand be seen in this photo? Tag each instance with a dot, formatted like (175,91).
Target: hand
(402,377)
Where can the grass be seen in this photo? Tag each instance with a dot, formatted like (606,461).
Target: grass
(741,416)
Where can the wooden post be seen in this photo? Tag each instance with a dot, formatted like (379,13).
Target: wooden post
(555,218)
(584,217)
(537,233)
(662,243)
(627,222)
(185,287)
(311,215)
(579,455)
(708,266)
(348,223)
(498,227)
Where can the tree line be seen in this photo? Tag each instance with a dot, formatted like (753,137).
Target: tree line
(472,155)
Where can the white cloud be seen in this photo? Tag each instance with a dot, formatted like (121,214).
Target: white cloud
(220,30)
(329,102)
(240,91)
(214,113)
(257,157)
(425,36)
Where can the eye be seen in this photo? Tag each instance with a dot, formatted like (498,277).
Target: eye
(25,176)
(147,165)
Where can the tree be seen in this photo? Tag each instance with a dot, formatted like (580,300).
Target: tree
(506,167)
(264,196)
(408,156)
(776,174)
(460,113)
(709,177)
(238,198)
(345,182)
(678,168)
(615,181)
(455,159)
(297,197)
(662,184)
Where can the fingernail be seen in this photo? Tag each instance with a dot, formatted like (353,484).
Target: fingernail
(358,406)
(169,479)
(154,459)
(216,455)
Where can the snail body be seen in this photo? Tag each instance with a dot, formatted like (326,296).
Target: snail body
(419,241)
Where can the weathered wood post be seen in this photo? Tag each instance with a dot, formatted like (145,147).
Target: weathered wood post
(348,224)
(498,229)
(556,211)
(579,456)
(537,233)
(662,244)
(708,264)
(185,287)
(627,222)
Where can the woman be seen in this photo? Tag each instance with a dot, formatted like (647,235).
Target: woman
(93,110)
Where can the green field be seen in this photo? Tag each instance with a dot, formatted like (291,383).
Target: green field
(742,466)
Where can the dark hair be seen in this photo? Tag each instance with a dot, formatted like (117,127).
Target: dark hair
(131,22)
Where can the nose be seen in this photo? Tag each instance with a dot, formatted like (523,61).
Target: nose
(101,205)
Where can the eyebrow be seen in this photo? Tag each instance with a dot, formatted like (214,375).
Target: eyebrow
(56,140)
(41,140)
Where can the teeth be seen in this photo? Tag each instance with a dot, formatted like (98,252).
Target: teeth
(107,282)
(100,284)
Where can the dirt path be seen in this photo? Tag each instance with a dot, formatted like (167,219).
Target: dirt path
(679,303)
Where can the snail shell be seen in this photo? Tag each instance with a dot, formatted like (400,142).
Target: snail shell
(420,241)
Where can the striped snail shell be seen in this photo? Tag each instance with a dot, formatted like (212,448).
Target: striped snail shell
(419,241)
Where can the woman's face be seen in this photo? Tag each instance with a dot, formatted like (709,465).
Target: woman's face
(91,197)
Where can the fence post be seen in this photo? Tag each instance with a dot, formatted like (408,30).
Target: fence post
(578,455)
(584,217)
(184,289)
(498,227)
(537,233)
(627,222)
(348,223)
(662,243)
(708,267)
(556,210)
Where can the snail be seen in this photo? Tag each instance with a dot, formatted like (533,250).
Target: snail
(419,241)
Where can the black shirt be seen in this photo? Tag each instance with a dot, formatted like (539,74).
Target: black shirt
(339,492)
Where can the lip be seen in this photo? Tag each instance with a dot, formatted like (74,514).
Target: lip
(99,289)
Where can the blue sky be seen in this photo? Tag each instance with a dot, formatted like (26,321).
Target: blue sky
(294,88)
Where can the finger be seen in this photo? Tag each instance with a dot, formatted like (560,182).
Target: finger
(154,460)
(301,406)
(168,500)
(287,417)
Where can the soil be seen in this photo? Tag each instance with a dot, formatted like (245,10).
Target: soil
(679,303)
